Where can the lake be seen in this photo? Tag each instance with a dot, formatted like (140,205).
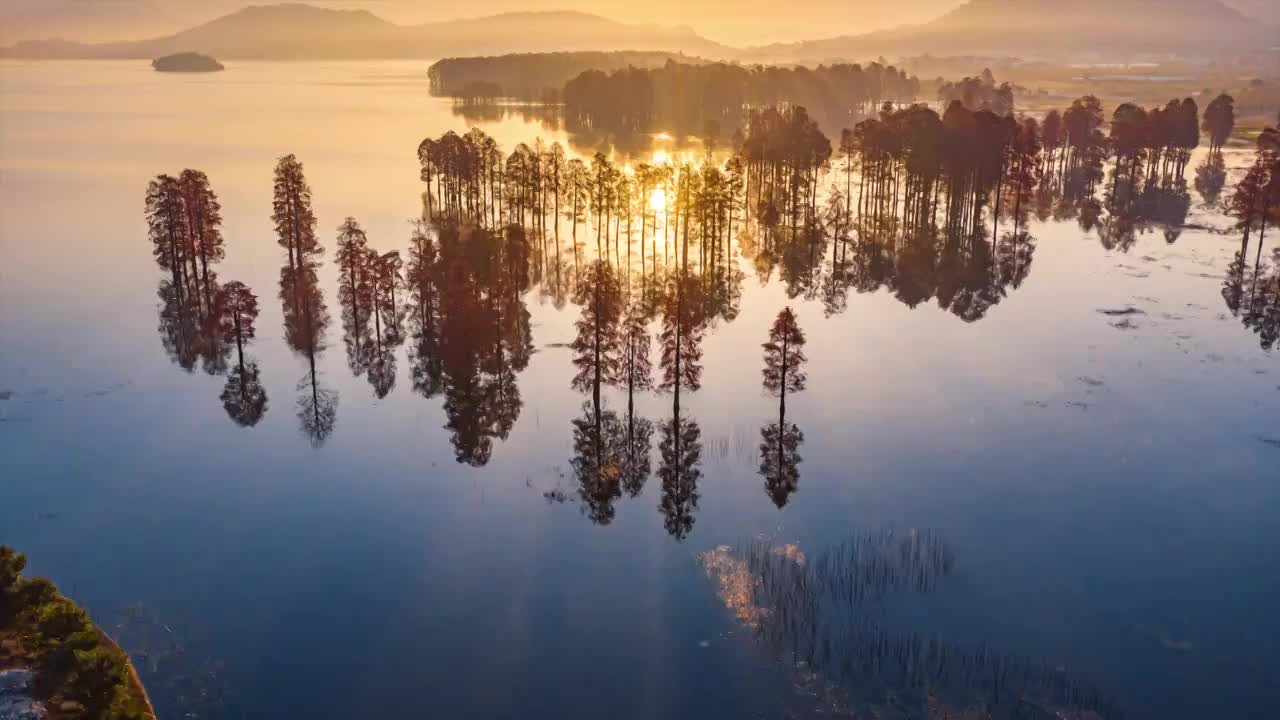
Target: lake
(1073,482)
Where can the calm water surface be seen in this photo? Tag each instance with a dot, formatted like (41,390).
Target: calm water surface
(1084,478)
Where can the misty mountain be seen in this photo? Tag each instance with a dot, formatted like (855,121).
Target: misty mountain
(304,32)
(1054,29)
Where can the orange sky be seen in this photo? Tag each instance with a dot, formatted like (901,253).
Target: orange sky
(738,22)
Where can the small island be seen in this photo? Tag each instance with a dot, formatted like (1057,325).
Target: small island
(54,661)
(187,62)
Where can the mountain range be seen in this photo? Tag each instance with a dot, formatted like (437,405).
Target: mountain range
(303,32)
(1045,29)
(1053,29)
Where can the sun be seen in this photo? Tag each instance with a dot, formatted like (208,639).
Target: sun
(658,200)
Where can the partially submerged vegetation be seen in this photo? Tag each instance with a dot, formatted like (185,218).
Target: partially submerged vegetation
(80,672)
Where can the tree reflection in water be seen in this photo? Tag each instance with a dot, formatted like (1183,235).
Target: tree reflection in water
(820,615)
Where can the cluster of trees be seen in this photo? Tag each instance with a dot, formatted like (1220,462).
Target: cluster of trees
(79,670)
(372,317)
(978,93)
(1252,290)
(469,329)
(537,188)
(916,223)
(612,348)
(534,76)
(712,100)
(908,158)
(200,318)
(203,319)
(185,222)
(782,153)
(1159,140)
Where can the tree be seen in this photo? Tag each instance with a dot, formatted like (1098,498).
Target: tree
(597,461)
(784,361)
(236,311)
(355,292)
(779,460)
(244,397)
(680,470)
(576,178)
(306,320)
(291,212)
(636,371)
(597,347)
(423,286)
(680,447)
(1219,121)
(167,227)
(784,357)
(204,230)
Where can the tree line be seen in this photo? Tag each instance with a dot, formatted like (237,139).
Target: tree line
(534,76)
(712,99)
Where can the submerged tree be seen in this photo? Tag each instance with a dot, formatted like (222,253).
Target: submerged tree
(484,333)
(1219,121)
(784,361)
(167,227)
(423,287)
(597,347)
(244,397)
(597,462)
(291,212)
(306,320)
(596,355)
(636,369)
(355,293)
(681,444)
(204,231)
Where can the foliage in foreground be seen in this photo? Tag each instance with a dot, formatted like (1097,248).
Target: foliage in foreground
(80,673)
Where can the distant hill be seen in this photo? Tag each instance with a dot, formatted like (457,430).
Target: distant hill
(187,62)
(304,32)
(1054,29)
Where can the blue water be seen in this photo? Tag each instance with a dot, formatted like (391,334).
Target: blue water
(1108,490)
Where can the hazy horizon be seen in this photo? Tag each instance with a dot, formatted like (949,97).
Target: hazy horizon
(732,22)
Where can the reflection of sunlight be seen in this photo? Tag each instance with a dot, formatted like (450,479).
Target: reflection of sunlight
(663,136)
(661,157)
(658,200)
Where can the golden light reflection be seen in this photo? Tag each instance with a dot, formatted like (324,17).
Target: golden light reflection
(661,157)
(658,200)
